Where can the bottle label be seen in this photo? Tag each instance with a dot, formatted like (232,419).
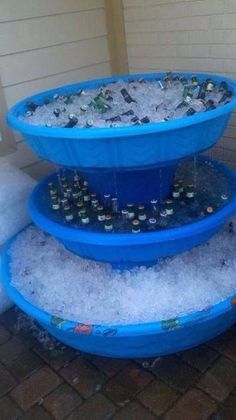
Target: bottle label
(176,194)
(190,194)
(101,217)
(56,206)
(142,217)
(136,230)
(108,228)
(85,220)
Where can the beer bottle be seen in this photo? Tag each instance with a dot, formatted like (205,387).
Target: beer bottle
(152,223)
(84,217)
(154,207)
(131,211)
(32,106)
(169,207)
(176,192)
(190,192)
(56,112)
(210,85)
(94,200)
(108,224)
(101,213)
(68,213)
(127,96)
(226,95)
(89,124)
(107,201)
(141,213)
(86,195)
(72,121)
(136,228)
(115,205)
(55,203)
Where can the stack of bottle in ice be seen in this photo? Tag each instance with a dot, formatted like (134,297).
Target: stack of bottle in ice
(131,102)
(198,191)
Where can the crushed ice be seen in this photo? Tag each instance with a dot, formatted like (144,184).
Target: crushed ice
(142,101)
(77,289)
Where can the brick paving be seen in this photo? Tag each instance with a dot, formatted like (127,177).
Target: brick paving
(43,381)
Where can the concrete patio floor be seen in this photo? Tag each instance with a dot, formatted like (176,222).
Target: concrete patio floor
(47,380)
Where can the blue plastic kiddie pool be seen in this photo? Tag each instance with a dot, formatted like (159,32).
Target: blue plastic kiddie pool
(129,341)
(137,152)
(126,250)
(102,154)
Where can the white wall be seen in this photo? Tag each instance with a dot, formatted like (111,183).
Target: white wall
(190,35)
(46,43)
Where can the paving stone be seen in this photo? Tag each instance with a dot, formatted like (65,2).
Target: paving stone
(8,409)
(219,380)
(56,358)
(97,407)
(226,345)
(200,357)
(4,334)
(35,387)
(175,372)
(157,397)
(25,365)
(86,379)
(62,401)
(133,378)
(11,350)
(117,393)
(134,411)
(109,366)
(7,381)
(227,410)
(36,413)
(194,405)
(9,319)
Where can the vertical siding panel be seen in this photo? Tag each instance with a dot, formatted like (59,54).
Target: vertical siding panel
(184,35)
(45,44)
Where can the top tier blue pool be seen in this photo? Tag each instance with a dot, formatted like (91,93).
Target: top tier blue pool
(148,145)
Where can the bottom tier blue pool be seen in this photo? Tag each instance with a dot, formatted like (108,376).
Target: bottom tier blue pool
(129,341)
